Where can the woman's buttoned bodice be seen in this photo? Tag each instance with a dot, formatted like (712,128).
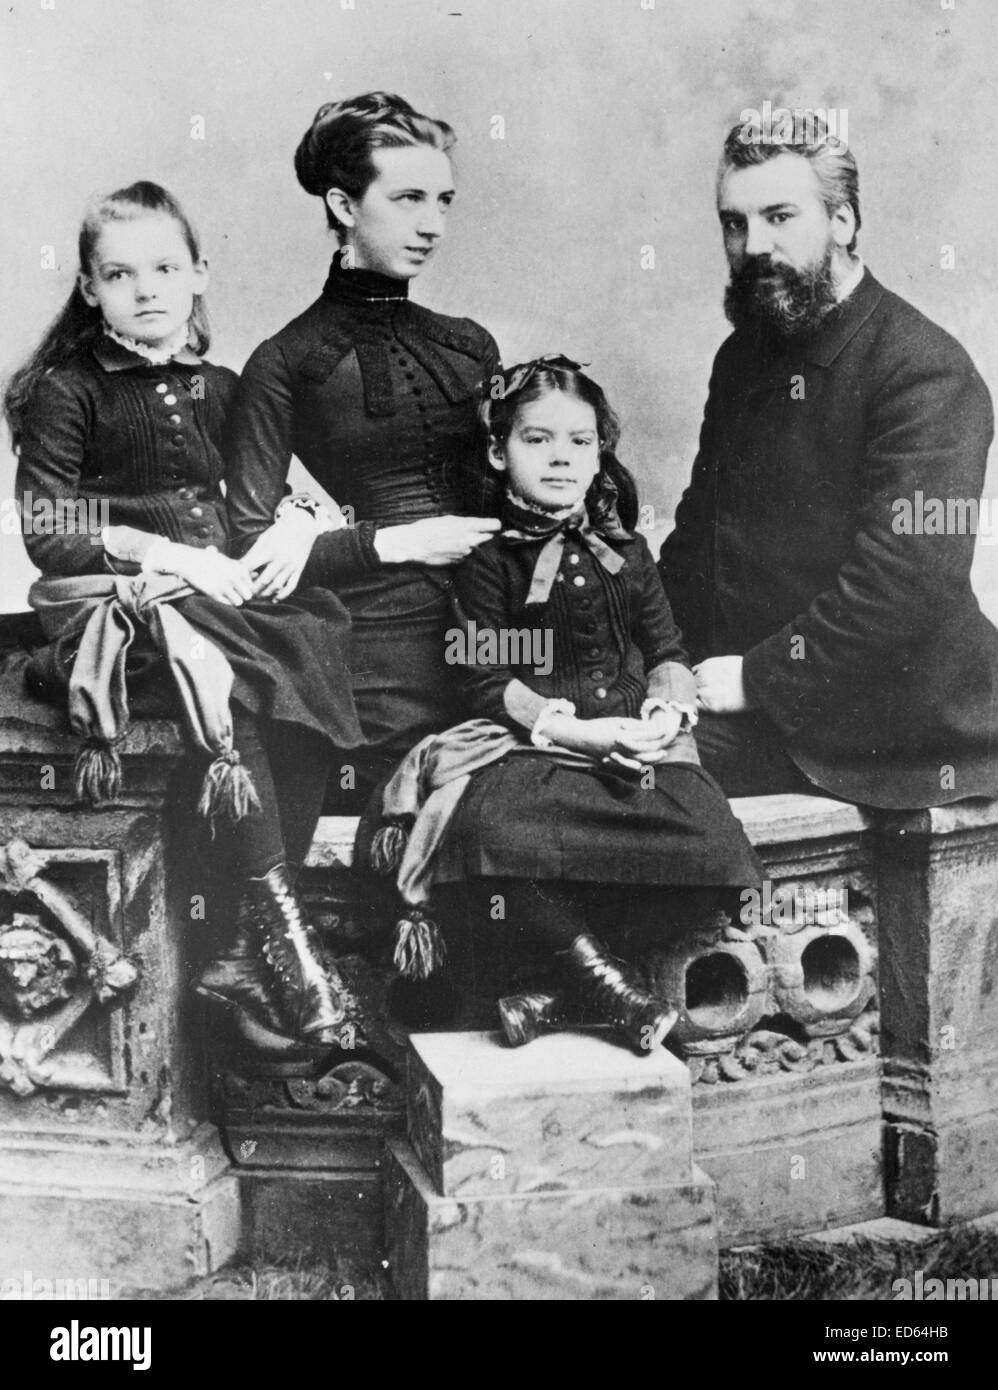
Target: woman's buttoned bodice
(376,396)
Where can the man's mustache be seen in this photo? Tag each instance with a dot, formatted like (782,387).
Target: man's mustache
(756,269)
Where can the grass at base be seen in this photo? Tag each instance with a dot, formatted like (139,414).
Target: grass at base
(811,1271)
(784,1271)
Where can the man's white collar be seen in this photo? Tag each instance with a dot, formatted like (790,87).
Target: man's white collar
(851,279)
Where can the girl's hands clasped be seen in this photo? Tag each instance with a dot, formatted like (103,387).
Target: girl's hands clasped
(211,573)
(631,742)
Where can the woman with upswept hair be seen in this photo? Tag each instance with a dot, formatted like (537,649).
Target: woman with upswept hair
(376,396)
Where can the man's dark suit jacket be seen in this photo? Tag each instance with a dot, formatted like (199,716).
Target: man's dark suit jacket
(865,647)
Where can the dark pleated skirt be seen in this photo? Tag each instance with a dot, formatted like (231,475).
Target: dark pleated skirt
(528,817)
(289,663)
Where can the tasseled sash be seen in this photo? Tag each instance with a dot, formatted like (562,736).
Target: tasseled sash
(105,611)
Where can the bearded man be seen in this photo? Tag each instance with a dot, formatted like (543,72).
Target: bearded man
(834,649)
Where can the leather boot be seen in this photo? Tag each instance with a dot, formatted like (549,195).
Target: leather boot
(614,991)
(239,980)
(525,1016)
(308,989)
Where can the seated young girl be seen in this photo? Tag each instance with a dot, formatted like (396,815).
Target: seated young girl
(577,788)
(116,414)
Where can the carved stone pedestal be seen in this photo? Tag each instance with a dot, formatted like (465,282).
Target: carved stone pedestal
(939,919)
(107,1168)
(779,1029)
(562,1170)
(307,1141)
(308,1137)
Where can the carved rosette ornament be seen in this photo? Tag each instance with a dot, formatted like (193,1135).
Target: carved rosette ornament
(53,968)
(787,991)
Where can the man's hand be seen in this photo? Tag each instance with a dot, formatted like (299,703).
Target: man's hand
(720,689)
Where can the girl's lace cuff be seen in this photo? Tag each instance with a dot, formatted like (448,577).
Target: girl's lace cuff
(537,736)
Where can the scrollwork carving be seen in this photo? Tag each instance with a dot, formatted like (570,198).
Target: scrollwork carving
(53,967)
(358,1087)
(768,1051)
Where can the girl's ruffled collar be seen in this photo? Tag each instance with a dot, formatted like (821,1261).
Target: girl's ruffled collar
(158,355)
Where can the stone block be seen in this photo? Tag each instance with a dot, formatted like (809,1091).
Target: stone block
(606,1244)
(939,992)
(792,1152)
(335,1217)
(140,1215)
(570,1112)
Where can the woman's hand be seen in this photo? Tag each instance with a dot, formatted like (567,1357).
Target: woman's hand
(210,573)
(436,540)
(278,555)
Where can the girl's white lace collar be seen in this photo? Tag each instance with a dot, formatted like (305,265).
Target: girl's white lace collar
(158,355)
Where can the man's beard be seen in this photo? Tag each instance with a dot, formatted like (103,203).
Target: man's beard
(789,306)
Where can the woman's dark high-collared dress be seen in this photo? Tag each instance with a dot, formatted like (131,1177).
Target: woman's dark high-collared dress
(376,397)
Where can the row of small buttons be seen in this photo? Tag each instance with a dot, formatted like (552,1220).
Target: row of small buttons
(188,494)
(588,629)
(405,366)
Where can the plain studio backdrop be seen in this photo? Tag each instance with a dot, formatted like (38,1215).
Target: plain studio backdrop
(588,132)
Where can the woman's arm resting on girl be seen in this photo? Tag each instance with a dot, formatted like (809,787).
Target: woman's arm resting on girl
(281,553)
(259,444)
(436,540)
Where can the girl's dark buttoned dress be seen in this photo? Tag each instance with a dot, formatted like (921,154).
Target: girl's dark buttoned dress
(376,397)
(111,440)
(529,816)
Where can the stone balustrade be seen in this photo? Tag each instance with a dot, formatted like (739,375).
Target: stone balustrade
(841,1037)
(109,1165)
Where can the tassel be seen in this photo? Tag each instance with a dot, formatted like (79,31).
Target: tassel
(419,946)
(98,772)
(387,848)
(227,790)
